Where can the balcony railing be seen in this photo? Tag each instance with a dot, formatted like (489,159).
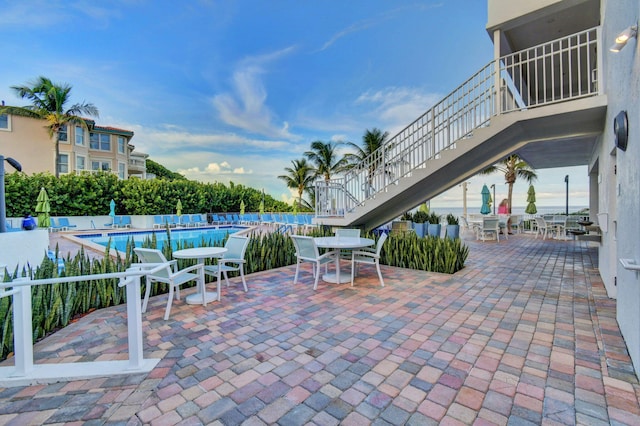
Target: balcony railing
(558,71)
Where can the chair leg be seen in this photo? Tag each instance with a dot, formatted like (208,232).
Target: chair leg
(353,271)
(379,274)
(295,278)
(169,302)
(147,291)
(244,283)
(315,284)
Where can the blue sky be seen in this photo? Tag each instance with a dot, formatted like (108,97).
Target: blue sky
(235,90)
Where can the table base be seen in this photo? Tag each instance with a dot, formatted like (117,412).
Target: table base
(332,278)
(196,298)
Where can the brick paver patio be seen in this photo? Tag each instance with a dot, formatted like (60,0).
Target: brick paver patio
(525,334)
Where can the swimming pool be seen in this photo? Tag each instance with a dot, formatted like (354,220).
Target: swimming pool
(197,237)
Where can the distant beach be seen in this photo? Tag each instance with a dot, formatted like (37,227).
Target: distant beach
(458,211)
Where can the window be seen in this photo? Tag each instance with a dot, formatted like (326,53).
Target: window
(104,166)
(4,122)
(121,145)
(100,141)
(79,135)
(122,169)
(63,163)
(81,163)
(62,133)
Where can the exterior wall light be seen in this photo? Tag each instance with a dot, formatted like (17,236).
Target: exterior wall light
(624,37)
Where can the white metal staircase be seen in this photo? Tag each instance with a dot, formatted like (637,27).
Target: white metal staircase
(545,96)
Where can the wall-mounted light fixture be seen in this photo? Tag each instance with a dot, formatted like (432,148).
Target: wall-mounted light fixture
(624,37)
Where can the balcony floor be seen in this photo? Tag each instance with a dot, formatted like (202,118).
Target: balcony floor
(525,334)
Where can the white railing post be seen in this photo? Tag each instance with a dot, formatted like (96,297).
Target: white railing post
(134,324)
(23,330)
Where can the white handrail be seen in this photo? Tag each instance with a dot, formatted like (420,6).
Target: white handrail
(24,372)
(541,75)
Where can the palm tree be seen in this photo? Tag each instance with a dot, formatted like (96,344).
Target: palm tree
(48,103)
(325,159)
(513,167)
(299,177)
(372,140)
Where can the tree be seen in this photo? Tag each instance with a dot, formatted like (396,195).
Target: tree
(48,103)
(299,177)
(372,140)
(324,156)
(162,172)
(513,167)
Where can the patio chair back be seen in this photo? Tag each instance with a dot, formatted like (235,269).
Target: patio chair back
(348,232)
(147,255)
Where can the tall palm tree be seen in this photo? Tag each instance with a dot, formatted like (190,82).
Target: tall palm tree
(324,156)
(372,140)
(299,177)
(513,167)
(48,103)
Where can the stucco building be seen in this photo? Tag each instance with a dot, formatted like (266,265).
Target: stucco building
(91,149)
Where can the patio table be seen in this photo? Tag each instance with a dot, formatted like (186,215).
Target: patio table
(200,254)
(341,243)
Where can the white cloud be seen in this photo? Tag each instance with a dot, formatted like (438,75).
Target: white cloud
(245,106)
(398,106)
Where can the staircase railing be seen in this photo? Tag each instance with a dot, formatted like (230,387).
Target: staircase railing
(558,71)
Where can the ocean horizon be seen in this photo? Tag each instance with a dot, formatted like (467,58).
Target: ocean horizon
(458,211)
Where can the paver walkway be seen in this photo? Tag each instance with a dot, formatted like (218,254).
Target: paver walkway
(525,334)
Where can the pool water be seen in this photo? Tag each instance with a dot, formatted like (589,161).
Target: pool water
(194,237)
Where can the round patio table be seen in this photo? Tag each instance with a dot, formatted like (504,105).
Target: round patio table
(200,254)
(341,243)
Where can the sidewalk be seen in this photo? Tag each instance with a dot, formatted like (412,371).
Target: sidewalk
(525,334)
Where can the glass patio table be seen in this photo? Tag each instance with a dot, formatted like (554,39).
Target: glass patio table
(200,254)
(341,243)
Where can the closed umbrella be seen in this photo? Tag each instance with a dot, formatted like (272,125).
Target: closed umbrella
(112,209)
(43,208)
(261,208)
(531,201)
(241,206)
(486,200)
(179,208)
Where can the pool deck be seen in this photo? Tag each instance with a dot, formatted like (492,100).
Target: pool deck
(523,335)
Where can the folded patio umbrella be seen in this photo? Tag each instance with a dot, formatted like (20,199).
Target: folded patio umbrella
(241,206)
(486,200)
(179,208)
(43,208)
(112,208)
(531,200)
(261,208)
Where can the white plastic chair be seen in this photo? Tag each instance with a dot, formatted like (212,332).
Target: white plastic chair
(369,258)
(171,275)
(490,225)
(307,251)
(231,261)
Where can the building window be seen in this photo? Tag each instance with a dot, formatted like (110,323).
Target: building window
(81,163)
(4,122)
(100,141)
(63,163)
(104,166)
(121,145)
(62,134)
(79,135)
(122,169)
